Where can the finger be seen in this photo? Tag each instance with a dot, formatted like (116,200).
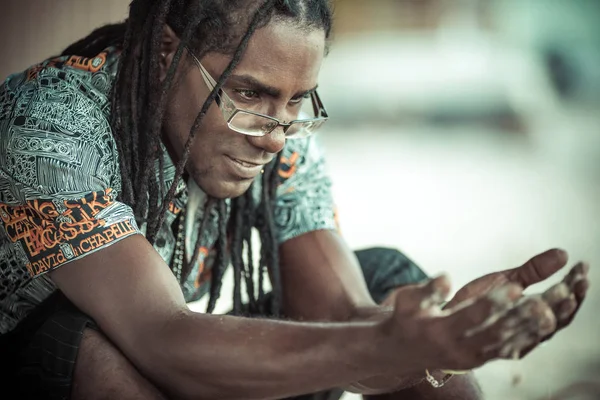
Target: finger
(581,268)
(577,279)
(580,290)
(539,267)
(568,310)
(565,310)
(535,309)
(520,327)
(419,298)
(556,294)
(485,310)
(528,339)
(578,284)
(538,321)
(525,350)
(519,345)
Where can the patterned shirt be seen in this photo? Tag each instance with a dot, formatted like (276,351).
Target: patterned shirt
(60,180)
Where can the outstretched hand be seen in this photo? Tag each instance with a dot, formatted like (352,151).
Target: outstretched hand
(489,318)
(564,298)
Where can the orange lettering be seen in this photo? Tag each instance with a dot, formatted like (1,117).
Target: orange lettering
(47,263)
(45,208)
(110,234)
(85,246)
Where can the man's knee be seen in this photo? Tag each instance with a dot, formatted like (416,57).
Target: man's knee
(103,372)
(385,269)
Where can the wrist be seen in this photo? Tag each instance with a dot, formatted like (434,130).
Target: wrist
(394,353)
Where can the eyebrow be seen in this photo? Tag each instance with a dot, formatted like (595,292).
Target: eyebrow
(264,88)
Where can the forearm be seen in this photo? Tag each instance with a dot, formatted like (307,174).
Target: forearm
(208,357)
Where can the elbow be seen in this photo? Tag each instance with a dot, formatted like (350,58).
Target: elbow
(169,357)
(165,370)
(159,354)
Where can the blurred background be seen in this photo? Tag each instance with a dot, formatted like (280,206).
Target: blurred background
(464,132)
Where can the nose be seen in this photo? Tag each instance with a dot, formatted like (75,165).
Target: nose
(272,143)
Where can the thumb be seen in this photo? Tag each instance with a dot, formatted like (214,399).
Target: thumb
(420,298)
(539,268)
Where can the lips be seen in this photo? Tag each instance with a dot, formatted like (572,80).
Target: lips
(246,164)
(243,169)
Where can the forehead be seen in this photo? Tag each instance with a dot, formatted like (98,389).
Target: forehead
(280,54)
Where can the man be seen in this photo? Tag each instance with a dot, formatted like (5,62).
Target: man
(128,184)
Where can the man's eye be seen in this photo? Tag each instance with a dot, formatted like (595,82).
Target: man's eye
(299,100)
(247,94)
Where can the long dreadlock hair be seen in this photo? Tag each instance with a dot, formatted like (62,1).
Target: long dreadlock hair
(138,106)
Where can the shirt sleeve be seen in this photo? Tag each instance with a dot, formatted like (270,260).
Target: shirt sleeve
(304,200)
(59,175)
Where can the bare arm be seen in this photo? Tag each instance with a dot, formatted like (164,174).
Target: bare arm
(136,301)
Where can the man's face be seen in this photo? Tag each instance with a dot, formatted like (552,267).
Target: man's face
(281,64)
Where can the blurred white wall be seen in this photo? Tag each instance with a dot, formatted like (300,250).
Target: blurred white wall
(473,160)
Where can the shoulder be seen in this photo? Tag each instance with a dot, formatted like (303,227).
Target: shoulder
(304,200)
(55,133)
(60,87)
(89,78)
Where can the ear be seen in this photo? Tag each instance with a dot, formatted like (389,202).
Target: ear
(168,46)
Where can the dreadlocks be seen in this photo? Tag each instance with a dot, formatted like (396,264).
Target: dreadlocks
(138,105)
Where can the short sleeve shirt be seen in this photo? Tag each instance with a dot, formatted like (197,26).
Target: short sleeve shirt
(60,181)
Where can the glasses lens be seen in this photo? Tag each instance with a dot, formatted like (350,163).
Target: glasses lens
(256,125)
(304,129)
(250,124)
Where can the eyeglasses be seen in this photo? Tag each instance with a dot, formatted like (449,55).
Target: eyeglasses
(256,124)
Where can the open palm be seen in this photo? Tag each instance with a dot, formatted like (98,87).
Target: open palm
(564,298)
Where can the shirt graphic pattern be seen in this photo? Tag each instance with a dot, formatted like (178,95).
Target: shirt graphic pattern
(60,179)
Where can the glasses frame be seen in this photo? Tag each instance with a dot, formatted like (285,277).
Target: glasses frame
(230,110)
